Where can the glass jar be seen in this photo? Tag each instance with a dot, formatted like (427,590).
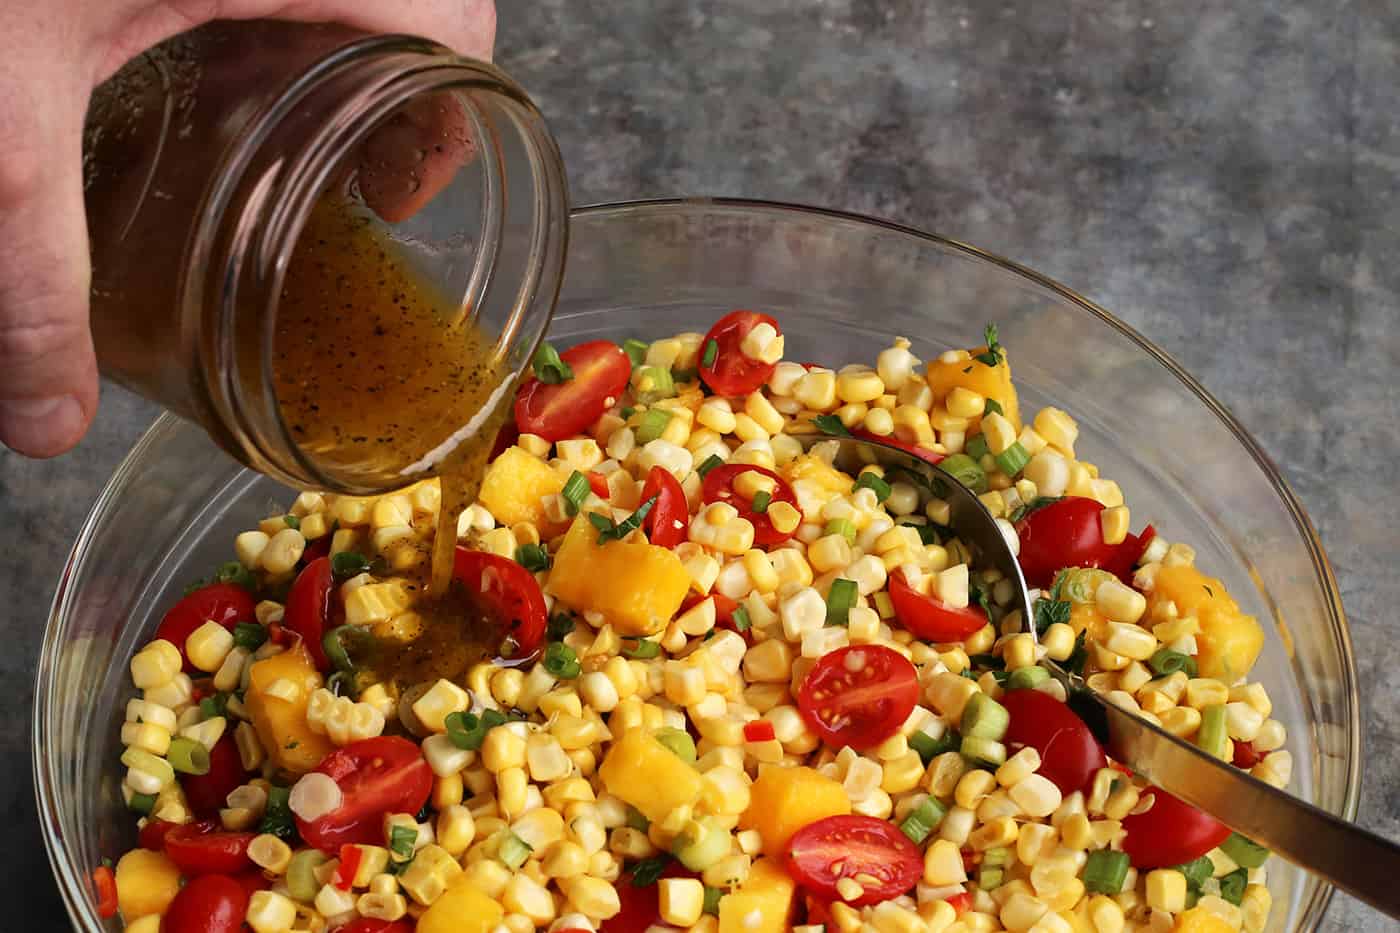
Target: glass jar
(204,159)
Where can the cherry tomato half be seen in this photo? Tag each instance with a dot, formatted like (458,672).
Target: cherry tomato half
(225,603)
(724,611)
(207,793)
(554,412)
(923,453)
(1062,534)
(824,852)
(310,605)
(370,925)
(641,906)
(719,487)
(508,594)
(208,904)
(153,834)
(203,848)
(669,519)
(930,619)
(376,776)
(731,372)
(1170,832)
(104,883)
(1069,754)
(859,695)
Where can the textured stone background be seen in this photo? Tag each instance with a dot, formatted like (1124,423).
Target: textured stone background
(1226,178)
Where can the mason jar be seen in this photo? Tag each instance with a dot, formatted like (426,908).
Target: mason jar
(205,157)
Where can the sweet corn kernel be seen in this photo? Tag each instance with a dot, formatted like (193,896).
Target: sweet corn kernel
(1166,890)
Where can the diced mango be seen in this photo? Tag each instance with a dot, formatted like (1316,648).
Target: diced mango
(762,904)
(1200,920)
(993,382)
(461,909)
(286,736)
(636,586)
(1087,616)
(819,473)
(1229,641)
(783,800)
(146,883)
(648,775)
(515,484)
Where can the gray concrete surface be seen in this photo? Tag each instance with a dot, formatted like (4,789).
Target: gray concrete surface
(1225,176)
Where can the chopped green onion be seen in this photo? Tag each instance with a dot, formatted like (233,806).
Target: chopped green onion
(989,879)
(984,718)
(1245,852)
(1212,737)
(652,384)
(277,817)
(930,748)
(966,471)
(348,564)
(142,803)
(831,426)
(234,572)
(760,501)
(533,557)
(249,635)
(640,648)
(560,624)
(840,599)
(876,484)
(291,521)
(628,411)
(337,651)
(1027,678)
(344,684)
(993,407)
(561,661)
(1166,662)
(466,730)
(740,618)
(987,753)
(302,883)
(648,871)
(636,820)
(679,742)
(710,353)
(610,531)
(513,851)
(1197,871)
(402,841)
(712,896)
(549,366)
(654,421)
(976,446)
(1105,871)
(843,527)
(712,461)
(997,857)
(576,489)
(923,820)
(188,756)
(636,351)
(1013,459)
(212,707)
(1232,885)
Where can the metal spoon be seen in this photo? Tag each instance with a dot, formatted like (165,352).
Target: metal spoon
(1357,861)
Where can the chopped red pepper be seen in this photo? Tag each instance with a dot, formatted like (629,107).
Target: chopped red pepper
(349,867)
(598,483)
(106,884)
(760,730)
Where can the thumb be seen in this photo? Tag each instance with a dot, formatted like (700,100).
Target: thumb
(48,374)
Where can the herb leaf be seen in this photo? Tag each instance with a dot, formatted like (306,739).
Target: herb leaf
(1077,659)
(648,871)
(1049,612)
(1026,508)
(831,426)
(994,352)
(608,530)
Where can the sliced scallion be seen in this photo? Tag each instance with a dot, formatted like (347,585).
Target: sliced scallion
(561,661)
(740,618)
(966,471)
(930,748)
(843,527)
(1244,851)
(1105,871)
(1013,459)
(712,461)
(336,644)
(277,817)
(187,756)
(1197,871)
(1212,737)
(302,883)
(636,351)
(923,820)
(653,383)
(654,421)
(560,624)
(760,501)
(575,491)
(402,841)
(640,649)
(513,851)
(997,857)
(142,803)
(549,366)
(533,557)
(235,573)
(1166,662)
(1027,678)
(976,446)
(249,635)
(840,599)
(466,730)
(984,718)
(985,753)
(710,353)
(679,742)
(711,903)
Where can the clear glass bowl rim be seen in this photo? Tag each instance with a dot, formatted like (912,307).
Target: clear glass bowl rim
(73,879)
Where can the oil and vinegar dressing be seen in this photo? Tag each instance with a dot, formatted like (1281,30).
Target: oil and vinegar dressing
(380,377)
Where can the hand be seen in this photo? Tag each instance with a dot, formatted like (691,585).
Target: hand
(52,54)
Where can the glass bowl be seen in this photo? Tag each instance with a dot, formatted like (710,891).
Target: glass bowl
(842,286)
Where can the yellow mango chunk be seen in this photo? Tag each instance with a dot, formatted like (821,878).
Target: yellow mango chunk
(783,800)
(461,909)
(993,382)
(648,775)
(281,723)
(1200,920)
(762,904)
(515,484)
(146,883)
(636,586)
(819,473)
(1229,641)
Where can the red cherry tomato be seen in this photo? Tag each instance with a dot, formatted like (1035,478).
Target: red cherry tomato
(859,695)
(1129,553)
(960,903)
(208,904)
(252,881)
(506,594)
(369,925)
(923,453)
(309,607)
(731,372)
(225,603)
(153,834)
(719,487)
(203,848)
(598,483)
(601,371)
(1062,534)
(315,550)
(207,793)
(1246,755)
(669,519)
(376,776)
(930,619)
(1170,832)
(641,906)
(104,883)
(824,852)
(1069,754)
